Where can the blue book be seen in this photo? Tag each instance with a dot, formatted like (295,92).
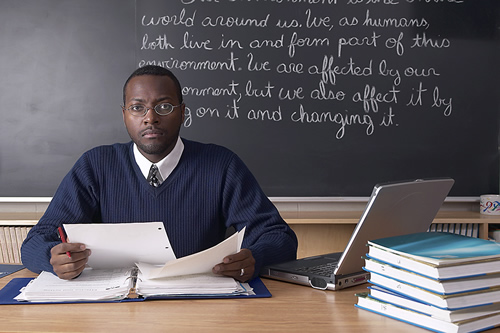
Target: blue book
(438,255)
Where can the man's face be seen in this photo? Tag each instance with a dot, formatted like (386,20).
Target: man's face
(154,135)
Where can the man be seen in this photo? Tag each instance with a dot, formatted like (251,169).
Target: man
(197,190)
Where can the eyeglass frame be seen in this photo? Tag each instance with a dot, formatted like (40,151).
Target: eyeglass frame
(153,108)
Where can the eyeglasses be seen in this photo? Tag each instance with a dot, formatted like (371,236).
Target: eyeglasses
(140,110)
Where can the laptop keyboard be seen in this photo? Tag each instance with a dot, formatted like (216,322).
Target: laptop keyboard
(323,269)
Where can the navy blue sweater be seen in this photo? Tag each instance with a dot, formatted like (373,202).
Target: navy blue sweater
(210,190)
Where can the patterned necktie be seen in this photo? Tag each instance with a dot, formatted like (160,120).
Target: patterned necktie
(154,176)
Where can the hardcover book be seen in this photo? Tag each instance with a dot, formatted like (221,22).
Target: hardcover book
(438,255)
(446,286)
(424,320)
(394,298)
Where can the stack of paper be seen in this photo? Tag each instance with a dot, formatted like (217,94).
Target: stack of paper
(91,285)
(199,284)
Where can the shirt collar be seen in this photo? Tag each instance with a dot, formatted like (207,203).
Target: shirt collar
(166,165)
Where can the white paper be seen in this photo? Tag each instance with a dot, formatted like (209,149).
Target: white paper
(199,284)
(90,285)
(122,244)
(201,262)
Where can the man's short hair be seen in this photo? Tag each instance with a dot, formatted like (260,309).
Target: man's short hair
(157,71)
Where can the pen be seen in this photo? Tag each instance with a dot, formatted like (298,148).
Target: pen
(63,238)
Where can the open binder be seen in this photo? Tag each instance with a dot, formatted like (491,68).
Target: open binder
(127,278)
(9,293)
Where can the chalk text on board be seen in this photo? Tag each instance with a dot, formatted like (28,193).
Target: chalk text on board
(388,120)
(212,91)
(329,72)
(368,47)
(180,19)
(344,120)
(370,98)
(295,42)
(401,22)
(357,41)
(265,92)
(424,41)
(291,94)
(190,44)
(439,102)
(265,115)
(254,66)
(322,95)
(160,43)
(229,65)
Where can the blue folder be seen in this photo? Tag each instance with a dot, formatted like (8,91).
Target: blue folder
(12,288)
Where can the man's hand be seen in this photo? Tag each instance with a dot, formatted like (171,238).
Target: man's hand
(65,267)
(240,266)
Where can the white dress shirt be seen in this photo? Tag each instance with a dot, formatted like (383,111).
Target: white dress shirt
(165,166)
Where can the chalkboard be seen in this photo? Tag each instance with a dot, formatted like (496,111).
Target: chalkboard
(62,65)
(318,97)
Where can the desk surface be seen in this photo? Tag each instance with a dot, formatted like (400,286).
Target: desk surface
(292,308)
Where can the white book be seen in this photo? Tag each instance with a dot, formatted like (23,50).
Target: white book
(424,320)
(448,286)
(388,296)
(451,302)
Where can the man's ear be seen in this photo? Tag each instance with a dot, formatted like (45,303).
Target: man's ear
(183,110)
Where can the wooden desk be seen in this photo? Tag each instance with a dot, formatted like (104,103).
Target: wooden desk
(292,308)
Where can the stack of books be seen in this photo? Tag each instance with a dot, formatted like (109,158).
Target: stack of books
(439,281)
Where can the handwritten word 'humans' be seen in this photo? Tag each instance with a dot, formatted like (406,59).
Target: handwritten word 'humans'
(401,22)
(344,120)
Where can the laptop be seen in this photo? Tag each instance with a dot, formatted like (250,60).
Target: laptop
(393,209)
